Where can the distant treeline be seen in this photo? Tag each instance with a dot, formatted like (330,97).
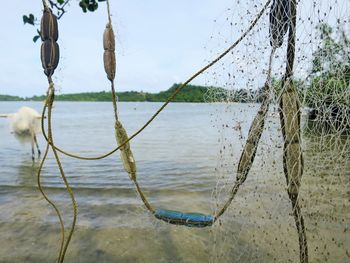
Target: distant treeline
(191,93)
(10,98)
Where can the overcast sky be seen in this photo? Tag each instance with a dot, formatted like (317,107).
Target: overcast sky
(159,43)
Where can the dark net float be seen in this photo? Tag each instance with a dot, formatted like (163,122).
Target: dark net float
(279,21)
(48,26)
(50,52)
(50,55)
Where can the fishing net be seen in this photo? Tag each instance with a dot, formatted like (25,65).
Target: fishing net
(259,226)
(282,162)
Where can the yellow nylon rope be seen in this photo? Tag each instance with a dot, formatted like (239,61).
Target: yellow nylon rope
(44,194)
(50,142)
(64,243)
(70,191)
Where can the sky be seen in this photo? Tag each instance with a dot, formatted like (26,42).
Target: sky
(158,43)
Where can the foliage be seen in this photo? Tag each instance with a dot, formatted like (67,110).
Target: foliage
(333,50)
(9,98)
(276,87)
(330,69)
(329,90)
(191,93)
(329,75)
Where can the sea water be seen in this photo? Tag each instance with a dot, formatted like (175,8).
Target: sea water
(181,158)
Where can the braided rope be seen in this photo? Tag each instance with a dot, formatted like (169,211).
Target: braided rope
(44,194)
(45,4)
(109,13)
(64,243)
(50,59)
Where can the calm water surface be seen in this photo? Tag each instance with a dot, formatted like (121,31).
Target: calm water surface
(180,157)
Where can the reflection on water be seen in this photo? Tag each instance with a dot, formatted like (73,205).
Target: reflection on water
(26,173)
(190,150)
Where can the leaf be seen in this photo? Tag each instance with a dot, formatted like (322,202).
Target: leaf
(83,6)
(92,7)
(35,38)
(29,19)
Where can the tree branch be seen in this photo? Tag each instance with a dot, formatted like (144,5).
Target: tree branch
(59,7)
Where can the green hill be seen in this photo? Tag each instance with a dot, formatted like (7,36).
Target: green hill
(191,93)
(9,98)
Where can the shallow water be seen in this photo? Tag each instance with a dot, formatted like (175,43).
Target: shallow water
(181,157)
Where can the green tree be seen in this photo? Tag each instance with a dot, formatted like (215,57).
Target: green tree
(330,72)
(329,90)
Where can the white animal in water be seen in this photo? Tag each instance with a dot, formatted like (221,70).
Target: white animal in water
(25,125)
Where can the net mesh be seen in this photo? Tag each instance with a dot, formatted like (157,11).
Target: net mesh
(259,225)
(261,221)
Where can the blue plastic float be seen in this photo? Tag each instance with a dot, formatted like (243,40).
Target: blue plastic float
(185,219)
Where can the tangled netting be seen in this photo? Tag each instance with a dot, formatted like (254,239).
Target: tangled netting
(293,59)
(262,219)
